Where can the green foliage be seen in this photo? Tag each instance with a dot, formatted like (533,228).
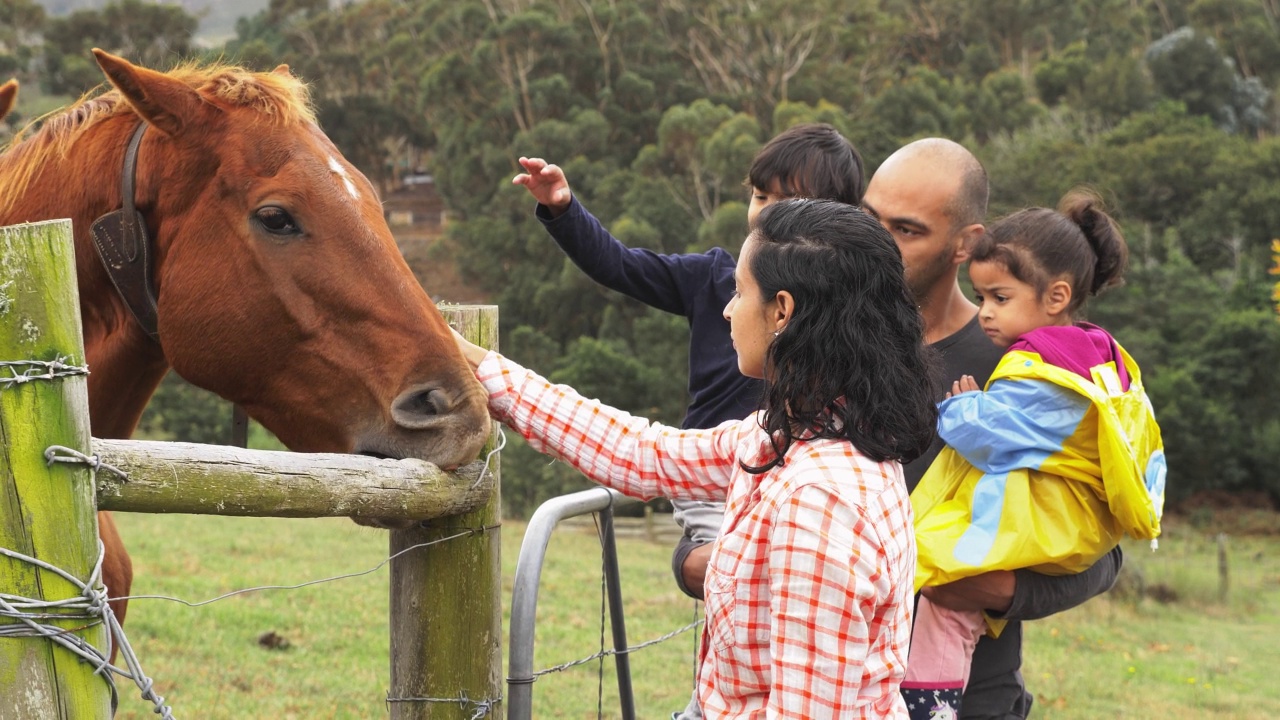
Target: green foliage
(181,411)
(153,34)
(655,108)
(1000,104)
(1064,73)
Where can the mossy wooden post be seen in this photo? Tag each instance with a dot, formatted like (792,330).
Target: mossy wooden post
(446,613)
(45,512)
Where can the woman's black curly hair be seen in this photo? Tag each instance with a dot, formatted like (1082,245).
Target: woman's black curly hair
(851,362)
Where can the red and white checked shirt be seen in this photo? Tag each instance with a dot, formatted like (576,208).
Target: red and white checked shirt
(809,587)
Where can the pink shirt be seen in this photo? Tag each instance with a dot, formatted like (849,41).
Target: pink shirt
(809,587)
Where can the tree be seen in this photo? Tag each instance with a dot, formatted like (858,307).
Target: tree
(1190,68)
(21,22)
(151,34)
(181,411)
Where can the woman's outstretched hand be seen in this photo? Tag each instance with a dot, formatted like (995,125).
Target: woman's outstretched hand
(472,352)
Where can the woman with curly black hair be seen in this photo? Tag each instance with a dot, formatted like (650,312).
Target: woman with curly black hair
(809,589)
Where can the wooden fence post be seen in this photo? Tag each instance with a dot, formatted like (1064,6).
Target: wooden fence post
(1224,573)
(45,512)
(446,613)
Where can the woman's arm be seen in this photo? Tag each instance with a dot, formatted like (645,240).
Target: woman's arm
(609,446)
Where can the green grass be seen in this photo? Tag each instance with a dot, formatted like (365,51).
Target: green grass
(1195,656)
(1115,657)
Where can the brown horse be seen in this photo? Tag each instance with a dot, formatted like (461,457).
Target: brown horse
(276,281)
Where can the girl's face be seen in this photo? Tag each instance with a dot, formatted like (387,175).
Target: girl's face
(753,320)
(1009,307)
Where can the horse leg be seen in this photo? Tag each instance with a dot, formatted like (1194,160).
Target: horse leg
(117,568)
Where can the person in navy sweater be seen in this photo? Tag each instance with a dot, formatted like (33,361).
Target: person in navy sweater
(812,160)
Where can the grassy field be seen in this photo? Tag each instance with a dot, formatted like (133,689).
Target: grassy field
(1117,657)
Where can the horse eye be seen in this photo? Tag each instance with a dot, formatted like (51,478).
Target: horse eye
(277,221)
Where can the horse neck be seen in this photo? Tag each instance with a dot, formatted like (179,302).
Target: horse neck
(125,365)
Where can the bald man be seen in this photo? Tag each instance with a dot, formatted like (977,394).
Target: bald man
(932,196)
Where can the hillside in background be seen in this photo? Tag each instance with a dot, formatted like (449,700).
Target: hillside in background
(217,17)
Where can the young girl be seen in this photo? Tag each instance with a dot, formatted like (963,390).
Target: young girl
(808,592)
(1059,457)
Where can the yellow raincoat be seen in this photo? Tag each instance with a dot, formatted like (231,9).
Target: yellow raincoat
(1044,470)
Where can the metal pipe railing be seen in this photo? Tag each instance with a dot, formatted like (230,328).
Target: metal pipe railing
(524,595)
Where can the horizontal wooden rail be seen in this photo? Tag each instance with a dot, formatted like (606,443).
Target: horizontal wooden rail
(175,477)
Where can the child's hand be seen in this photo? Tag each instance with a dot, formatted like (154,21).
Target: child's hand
(546,183)
(963,385)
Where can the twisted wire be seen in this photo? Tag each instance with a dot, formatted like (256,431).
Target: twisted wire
(90,606)
(612,651)
(502,442)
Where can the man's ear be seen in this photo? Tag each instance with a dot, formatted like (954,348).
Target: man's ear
(1057,297)
(784,308)
(969,235)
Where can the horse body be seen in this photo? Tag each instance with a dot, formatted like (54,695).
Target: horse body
(278,284)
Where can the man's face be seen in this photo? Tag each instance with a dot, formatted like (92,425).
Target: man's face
(910,200)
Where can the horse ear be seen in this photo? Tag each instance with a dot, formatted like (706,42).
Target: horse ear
(8,93)
(283,69)
(164,103)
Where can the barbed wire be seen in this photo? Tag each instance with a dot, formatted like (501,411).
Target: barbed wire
(483,708)
(37,370)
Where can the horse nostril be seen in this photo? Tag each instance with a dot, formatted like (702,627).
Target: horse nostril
(420,407)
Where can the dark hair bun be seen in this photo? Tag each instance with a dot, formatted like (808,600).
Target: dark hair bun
(1084,208)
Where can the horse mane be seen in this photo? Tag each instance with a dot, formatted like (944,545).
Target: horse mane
(279,97)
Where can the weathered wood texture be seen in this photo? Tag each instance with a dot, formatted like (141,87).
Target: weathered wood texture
(172,477)
(446,612)
(46,512)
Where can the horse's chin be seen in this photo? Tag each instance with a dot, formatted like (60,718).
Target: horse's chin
(446,456)
(441,447)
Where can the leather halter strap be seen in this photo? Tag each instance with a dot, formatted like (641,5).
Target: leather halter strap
(120,237)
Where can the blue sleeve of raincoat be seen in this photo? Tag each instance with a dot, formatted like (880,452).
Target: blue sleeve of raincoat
(1013,424)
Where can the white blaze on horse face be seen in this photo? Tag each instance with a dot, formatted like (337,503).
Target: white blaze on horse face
(341,172)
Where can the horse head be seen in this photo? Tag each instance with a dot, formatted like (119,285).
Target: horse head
(277,283)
